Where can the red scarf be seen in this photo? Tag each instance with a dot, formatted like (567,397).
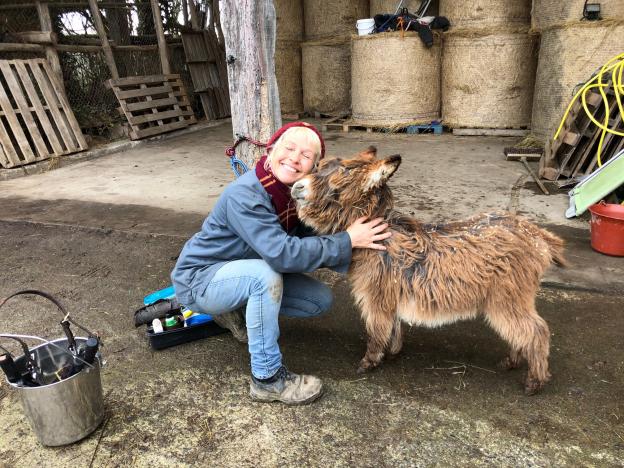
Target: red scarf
(284,205)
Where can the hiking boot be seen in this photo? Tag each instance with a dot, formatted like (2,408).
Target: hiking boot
(235,322)
(287,387)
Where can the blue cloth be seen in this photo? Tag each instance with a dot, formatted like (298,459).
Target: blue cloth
(244,225)
(268,295)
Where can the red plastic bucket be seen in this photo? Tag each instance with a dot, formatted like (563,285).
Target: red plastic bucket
(607,228)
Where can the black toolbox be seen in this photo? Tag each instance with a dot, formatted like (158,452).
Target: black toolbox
(183,335)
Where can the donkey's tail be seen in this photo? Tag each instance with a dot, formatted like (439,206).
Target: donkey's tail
(555,246)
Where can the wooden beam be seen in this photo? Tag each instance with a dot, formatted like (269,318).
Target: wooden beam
(36,37)
(160,34)
(249,32)
(46,26)
(99,27)
(185,13)
(19,47)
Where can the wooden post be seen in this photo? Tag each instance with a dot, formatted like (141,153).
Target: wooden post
(185,13)
(99,27)
(160,34)
(50,51)
(194,18)
(249,33)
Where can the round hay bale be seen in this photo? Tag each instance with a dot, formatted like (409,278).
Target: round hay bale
(394,81)
(328,18)
(546,13)
(568,57)
(289,20)
(326,76)
(487,81)
(486,13)
(288,74)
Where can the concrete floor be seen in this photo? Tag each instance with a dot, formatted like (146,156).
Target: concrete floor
(103,233)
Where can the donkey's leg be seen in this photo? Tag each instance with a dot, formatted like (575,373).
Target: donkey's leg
(512,361)
(396,337)
(379,326)
(527,333)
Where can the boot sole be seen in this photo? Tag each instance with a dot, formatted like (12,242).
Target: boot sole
(273,398)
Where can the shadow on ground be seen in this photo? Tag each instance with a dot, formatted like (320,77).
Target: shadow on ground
(442,402)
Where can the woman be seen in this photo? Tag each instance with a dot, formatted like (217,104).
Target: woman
(251,250)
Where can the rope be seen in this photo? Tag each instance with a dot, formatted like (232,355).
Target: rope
(238,166)
(614,66)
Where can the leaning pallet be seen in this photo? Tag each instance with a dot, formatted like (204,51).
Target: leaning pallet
(36,120)
(153,104)
(573,154)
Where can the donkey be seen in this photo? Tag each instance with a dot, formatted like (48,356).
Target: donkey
(434,274)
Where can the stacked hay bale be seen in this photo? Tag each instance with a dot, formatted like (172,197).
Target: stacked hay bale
(326,54)
(395,80)
(380,7)
(288,54)
(488,64)
(571,51)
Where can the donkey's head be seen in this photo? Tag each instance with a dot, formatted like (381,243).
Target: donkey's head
(342,190)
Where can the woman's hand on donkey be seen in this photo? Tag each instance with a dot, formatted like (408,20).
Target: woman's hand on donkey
(365,234)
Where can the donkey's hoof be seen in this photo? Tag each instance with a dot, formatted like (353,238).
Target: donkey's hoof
(365,366)
(532,386)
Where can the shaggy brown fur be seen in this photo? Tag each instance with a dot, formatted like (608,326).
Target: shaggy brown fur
(434,274)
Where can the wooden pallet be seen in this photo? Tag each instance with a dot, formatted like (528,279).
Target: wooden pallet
(36,120)
(206,62)
(574,153)
(347,124)
(153,104)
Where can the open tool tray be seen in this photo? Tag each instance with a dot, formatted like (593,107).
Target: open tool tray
(179,336)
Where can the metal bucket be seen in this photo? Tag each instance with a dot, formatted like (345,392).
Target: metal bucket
(61,410)
(66,411)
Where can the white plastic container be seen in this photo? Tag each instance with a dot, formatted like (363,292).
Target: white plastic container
(365,26)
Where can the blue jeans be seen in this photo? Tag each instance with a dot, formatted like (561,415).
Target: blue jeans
(267,294)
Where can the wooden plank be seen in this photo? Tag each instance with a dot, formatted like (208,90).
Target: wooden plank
(141,119)
(143,92)
(19,47)
(36,37)
(16,127)
(40,109)
(43,11)
(151,131)
(4,161)
(66,107)
(50,97)
(99,27)
(9,156)
(143,79)
(136,106)
(490,132)
(20,100)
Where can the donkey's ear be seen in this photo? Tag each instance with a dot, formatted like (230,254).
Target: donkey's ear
(368,154)
(381,171)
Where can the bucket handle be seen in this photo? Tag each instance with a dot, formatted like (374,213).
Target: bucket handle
(66,317)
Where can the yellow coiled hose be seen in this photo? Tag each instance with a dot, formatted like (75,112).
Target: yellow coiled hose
(615,66)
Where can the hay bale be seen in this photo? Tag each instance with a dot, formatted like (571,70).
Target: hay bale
(394,81)
(486,13)
(326,75)
(379,7)
(288,74)
(328,18)
(289,15)
(487,80)
(548,13)
(569,56)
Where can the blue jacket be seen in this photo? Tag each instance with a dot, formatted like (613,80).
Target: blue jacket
(244,225)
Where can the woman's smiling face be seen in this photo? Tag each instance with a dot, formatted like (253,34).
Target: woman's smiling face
(293,157)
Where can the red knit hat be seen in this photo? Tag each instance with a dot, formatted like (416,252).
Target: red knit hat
(281,131)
